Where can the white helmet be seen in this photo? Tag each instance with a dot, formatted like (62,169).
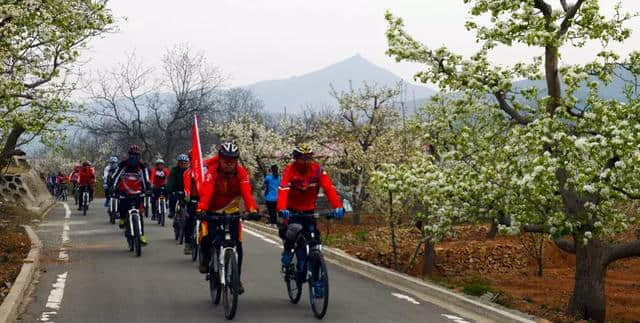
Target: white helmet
(159,161)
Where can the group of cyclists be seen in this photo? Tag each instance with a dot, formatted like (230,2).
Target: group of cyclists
(225,187)
(81,178)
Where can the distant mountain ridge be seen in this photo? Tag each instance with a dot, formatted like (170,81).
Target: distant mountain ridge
(313,89)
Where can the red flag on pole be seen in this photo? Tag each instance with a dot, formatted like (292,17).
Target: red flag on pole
(196,155)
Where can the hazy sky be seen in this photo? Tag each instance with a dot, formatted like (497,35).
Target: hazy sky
(253,40)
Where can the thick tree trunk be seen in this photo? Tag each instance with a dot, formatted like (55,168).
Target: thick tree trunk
(429,259)
(588,299)
(10,144)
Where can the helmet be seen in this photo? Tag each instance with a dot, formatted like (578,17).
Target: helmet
(86,163)
(229,149)
(182,158)
(159,161)
(113,159)
(302,150)
(77,166)
(134,150)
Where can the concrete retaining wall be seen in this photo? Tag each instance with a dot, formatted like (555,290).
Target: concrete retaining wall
(23,186)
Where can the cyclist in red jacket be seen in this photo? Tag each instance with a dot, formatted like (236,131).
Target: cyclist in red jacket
(225,184)
(298,191)
(159,175)
(86,180)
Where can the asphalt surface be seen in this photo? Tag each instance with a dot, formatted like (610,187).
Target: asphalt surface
(88,275)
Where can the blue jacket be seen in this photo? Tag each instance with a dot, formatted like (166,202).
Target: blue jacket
(271,184)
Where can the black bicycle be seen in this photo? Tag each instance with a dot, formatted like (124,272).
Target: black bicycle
(314,267)
(180,218)
(224,275)
(84,189)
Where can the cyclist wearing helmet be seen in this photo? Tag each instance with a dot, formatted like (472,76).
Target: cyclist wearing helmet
(73,178)
(86,180)
(175,187)
(298,191)
(225,184)
(131,182)
(158,176)
(108,172)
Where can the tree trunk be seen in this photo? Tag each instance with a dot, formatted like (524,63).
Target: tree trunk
(429,259)
(10,144)
(588,299)
(501,219)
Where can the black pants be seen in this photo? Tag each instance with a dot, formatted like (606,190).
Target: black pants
(271,207)
(173,200)
(309,225)
(208,243)
(190,221)
(156,192)
(125,204)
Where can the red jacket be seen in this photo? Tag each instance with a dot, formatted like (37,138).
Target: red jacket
(159,177)
(87,176)
(189,182)
(75,176)
(222,193)
(298,192)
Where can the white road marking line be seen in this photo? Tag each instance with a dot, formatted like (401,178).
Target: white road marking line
(55,298)
(67,211)
(406,298)
(64,255)
(258,235)
(455,318)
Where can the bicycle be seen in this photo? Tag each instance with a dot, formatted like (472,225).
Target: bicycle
(74,191)
(223,276)
(161,207)
(314,267)
(147,205)
(62,193)
(85,199)
(113,209)
(133,227)
(180,219)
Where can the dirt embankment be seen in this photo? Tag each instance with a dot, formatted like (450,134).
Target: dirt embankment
(14,244)
(470,263)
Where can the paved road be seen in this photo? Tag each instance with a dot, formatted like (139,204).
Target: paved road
(89,275)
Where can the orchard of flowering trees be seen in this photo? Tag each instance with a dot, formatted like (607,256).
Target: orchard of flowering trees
(552,162)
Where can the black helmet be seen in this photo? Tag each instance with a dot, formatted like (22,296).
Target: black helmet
(228,149)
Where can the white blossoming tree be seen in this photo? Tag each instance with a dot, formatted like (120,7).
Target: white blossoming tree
(567,162)
(259,146)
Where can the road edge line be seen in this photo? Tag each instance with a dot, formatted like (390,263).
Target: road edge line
(11,304)
(430,292)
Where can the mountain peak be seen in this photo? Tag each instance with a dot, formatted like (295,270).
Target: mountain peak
(313,89)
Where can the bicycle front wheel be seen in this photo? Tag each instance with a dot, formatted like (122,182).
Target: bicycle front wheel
(136,236)
(215,288)
(232,282)
(318,284)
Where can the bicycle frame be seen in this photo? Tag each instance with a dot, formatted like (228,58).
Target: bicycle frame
(226,243)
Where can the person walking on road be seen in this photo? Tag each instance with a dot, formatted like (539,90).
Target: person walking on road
(271,183)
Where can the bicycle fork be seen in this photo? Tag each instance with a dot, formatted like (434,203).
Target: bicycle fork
(131,213)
